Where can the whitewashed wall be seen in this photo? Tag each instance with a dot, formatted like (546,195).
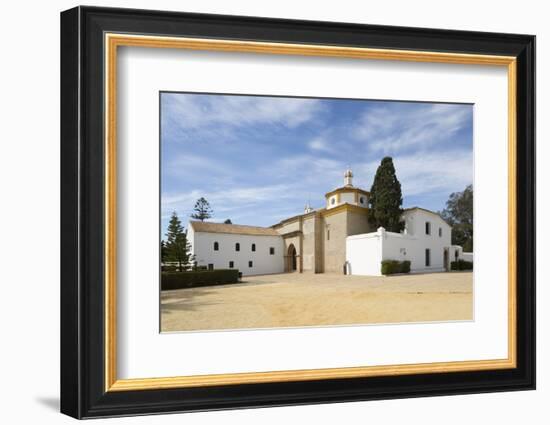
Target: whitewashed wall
(456,253)
(330,200)
(202,246)
(468,256)
(415,225)
(397,246)
(364,254)
(347,197)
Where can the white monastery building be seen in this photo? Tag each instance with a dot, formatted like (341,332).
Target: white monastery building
(337,238)
(252,250)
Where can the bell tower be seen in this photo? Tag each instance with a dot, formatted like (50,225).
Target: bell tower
(348,178)
(347,194)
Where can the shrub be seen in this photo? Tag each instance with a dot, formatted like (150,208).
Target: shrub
(394,266)
(462,265)
(169,268)
(389,266)
(193,279)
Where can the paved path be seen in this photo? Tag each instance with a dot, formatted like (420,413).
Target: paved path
(294,300)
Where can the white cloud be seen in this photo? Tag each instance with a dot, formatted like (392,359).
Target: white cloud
(424,173)
(319,144)
(200,111)
(391,128)
(264,186)
(224,201)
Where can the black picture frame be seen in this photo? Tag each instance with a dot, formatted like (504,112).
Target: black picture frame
(82,218)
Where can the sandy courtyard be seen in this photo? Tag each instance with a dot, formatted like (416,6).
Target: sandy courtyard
(289,300)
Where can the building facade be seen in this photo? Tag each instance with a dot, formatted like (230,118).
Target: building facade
(337,238)
(425,242)
(315,241)
(250,249)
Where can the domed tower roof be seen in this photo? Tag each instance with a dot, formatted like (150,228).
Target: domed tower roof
(347,194)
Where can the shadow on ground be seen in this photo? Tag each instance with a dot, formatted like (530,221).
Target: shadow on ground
(186,300)
(49,402)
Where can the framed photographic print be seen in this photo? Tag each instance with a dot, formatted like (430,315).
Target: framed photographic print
(261,212)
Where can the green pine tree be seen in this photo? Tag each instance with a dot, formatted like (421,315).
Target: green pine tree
(385,198)
(163,252)
(202,210)
(178,249)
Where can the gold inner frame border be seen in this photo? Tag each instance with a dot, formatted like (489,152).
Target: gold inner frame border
(112,41)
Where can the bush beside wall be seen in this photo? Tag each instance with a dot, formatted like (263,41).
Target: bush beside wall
(462,265)
(394,266)
(193,279)
(169,268)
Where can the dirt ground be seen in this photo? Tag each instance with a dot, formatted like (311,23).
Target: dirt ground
(297,300)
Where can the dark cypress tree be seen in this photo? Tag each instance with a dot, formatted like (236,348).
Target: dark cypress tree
(178,249)
(202,210)
(385,198)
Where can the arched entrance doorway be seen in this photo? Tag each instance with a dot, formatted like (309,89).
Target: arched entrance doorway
(291,258)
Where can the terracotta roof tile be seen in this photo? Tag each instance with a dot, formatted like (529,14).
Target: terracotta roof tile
(237,229)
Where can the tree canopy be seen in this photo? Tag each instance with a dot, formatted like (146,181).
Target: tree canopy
(228,221)
(385,199)
(163,252)
(177,247)
(459,213)
(202,210)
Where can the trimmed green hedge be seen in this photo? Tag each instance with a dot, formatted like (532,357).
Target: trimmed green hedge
(169,268)
(394,266)
(193,279)
(462,265)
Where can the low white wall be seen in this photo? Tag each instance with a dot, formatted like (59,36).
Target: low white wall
(364,254)
(456,253)
(468,256)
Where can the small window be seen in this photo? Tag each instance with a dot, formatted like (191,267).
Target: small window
(231,264)
(253,247)
(271,251)
(237,246)
(427,258)
(440,232)
(361,200)
(332,201)
(456,254)
(428,228)
(216,246)
(328,235)
(250,264)
(210,266)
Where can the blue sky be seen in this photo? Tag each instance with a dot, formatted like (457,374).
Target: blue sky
(258,160)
